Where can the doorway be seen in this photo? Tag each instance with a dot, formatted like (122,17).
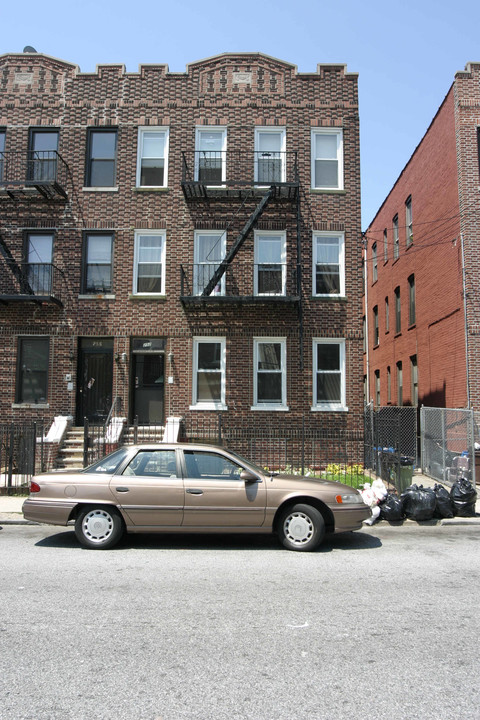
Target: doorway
(95,379)
(148,380)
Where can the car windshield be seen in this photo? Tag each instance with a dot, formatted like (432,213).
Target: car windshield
(109,463)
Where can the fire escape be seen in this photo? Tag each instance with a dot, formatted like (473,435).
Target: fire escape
(252,181)
(31,176)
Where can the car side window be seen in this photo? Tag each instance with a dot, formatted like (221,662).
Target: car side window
(153,463)
(201,464)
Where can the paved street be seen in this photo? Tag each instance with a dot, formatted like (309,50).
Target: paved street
(382,623)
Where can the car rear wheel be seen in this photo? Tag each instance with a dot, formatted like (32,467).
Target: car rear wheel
(301,527)
(99,527)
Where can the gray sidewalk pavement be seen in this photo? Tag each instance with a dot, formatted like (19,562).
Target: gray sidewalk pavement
(11,508)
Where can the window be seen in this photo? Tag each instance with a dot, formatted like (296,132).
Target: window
(97,263)
(329,391)
(385,245)
(149,262)
(398,311)
(32,370)
(269,155)
(270,376)
(411,300)
(389,385)
(152,157)
(399,384)
(2,154)
(408,220)
(38,254)
(270,263)
(208,373)
(153,463)
(396,247)
(414,376)
(387,315)
(101,158)
(209,251)
(211,155)
(328,264)
(377,388)
(327,159)
(42,156)
(374,263)
(202,464)
(375,326)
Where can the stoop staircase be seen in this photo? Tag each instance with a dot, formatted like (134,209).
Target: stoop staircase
(70,455)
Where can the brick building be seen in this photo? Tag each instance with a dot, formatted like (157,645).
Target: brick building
(185,242)
(422,246)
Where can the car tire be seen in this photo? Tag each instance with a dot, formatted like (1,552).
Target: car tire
(301,528)
(99,527)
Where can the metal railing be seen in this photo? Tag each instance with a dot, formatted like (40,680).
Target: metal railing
(22,453)
(30,281)
(44,170)
(232,167)
(265,281)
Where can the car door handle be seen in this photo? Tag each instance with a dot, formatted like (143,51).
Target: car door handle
(122,489)
(194,491)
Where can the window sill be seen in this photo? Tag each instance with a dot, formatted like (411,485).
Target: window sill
(148,296)
(329,408)
(99,189)
(413,326)
(153,188)
(30,406)
(96,296)
(270,408)
(398,334)
(328,191)
(330,298)
(208,406)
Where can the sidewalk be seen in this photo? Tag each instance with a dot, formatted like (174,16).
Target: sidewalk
(11,508)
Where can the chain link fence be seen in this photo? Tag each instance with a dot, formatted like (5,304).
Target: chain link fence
(391,443)
(448,444)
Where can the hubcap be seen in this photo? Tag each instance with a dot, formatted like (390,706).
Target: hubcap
(298,528)
(97,526)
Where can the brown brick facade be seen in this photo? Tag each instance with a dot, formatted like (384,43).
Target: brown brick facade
(237,92)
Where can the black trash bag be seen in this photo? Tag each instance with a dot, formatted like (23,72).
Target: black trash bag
(464,497)
(419,502)
(391,508)
(444,504)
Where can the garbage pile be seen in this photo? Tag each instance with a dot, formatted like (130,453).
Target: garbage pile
(420,503)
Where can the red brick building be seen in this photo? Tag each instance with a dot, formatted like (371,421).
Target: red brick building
(421,247)
(186,242)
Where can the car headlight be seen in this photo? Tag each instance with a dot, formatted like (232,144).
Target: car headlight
(351,499)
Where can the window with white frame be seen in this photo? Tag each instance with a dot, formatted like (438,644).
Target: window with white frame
(270,155)
(149,263)
(329,386)
(211,155)
(270,263)
(270,374)
(408,220)
(396,242)
(327,159)
(328,263)
(209,251)
(152,160)
(209,359)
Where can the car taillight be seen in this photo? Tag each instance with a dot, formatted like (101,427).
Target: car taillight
(34,487)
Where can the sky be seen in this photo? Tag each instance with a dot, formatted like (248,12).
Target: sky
(406,53)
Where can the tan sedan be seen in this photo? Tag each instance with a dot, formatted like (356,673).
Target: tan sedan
(191,489)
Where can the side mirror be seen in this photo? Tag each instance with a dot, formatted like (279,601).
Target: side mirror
(248,477)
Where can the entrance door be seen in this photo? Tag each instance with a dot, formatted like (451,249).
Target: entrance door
(95,379)
(148,387)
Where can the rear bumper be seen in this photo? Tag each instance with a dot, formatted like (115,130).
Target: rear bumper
(52,512)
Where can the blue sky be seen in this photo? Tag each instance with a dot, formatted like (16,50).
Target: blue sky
(406,53)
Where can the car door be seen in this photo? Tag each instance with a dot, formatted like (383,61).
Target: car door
(150,489)
(215,494)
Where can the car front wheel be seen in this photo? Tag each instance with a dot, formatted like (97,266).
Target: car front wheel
(301,527)
(99,527)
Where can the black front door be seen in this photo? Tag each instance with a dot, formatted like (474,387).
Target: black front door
(95,379)
(148,387)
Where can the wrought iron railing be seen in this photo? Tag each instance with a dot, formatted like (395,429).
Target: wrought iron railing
(44,170)
(237,168)
(42,282)
(261,282)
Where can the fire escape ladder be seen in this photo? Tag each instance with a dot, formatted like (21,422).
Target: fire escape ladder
(251,222)
(15,269)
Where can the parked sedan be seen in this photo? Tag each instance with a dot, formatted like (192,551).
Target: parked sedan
(191,489)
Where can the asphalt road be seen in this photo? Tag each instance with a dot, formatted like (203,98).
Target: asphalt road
(382,623)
